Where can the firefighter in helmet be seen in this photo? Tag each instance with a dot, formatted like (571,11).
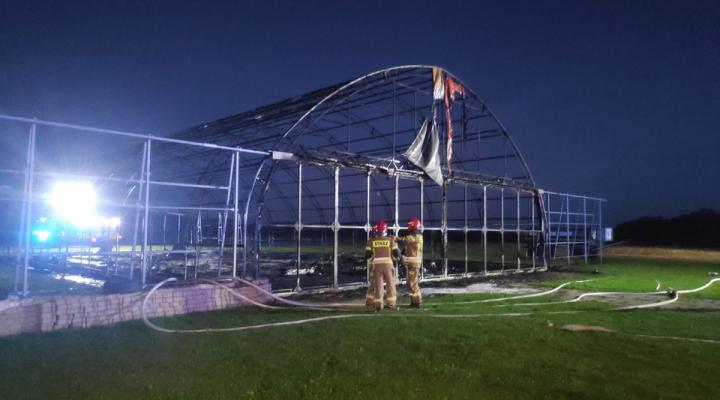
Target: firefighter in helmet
(412,259)
(381,251)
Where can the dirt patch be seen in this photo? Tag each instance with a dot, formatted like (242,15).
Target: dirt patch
(586,328)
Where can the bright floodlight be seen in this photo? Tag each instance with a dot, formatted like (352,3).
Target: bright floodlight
(74,202)
(42,235)
(114,222)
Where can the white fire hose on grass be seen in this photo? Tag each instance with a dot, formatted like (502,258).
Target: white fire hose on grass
(326,307)
(674,294)
(518,297)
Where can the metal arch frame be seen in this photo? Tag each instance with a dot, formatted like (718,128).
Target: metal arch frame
(347,85)
(266,167)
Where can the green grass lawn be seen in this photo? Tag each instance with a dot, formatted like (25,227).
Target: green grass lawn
(640,275)
(403,354)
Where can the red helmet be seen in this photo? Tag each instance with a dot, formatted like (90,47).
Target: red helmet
(381,227)
(413,224)
(373,229)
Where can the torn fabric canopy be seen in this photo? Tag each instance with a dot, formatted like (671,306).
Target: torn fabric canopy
(451,88)
(438,84)
(423,152)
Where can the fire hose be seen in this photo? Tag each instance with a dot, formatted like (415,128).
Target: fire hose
(673,294)
(313,306)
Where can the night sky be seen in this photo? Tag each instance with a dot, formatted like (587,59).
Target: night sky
(619,99)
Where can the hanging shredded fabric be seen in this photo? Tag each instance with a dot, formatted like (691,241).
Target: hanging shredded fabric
(451,88)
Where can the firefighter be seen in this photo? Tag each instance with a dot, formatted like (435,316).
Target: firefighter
(412,259)
(381,251)
(370,295)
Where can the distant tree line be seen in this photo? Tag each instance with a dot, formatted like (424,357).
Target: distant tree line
(699,229)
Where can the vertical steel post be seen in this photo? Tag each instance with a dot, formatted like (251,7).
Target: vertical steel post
(184,247)
(567,228)
(198,242)
(517,228)
(545,228)
(396,227)
(164,229)
(394,123)
(465,230)
(21,231)
(28,210)
(219,231)
(601,231)
(367,220)
(236,212)
(298,228)
(222,223)
(484,229)
(117,252)
(550,251)
(502,229)
(336,227)
(367,206)
(146,250)
(532,235)
(585,246)
(422,224)
(444,228)
(140,188)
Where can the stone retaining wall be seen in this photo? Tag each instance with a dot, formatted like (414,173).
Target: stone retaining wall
(59,312)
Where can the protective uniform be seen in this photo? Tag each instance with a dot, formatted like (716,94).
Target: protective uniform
(412,259)
(381,250)
(370,295)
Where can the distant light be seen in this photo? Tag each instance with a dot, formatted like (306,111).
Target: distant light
(74,202)
(42,235)
(114,222)
(42,220)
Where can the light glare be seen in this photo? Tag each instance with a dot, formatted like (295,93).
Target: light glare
(74,202)
(41,235)
(114,222)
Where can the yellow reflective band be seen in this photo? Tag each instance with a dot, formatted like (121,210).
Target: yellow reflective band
(381,243)
(391,299)
(413,259)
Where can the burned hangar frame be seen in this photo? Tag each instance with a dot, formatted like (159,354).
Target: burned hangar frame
(296,185)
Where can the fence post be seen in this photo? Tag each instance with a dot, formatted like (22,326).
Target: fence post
(336,226)
(28,208)
(147,252)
